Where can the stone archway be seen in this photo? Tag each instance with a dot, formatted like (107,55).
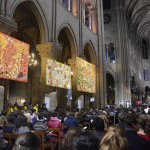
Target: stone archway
(110,88)
(89,53)
(29,30)
(67,42)
(90,56)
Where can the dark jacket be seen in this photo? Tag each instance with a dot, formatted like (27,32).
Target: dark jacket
(135,141)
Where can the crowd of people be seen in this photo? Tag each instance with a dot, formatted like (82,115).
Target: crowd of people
(86,129)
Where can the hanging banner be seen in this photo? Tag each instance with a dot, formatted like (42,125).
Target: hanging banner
(86,76)
(58,74)
(14,56)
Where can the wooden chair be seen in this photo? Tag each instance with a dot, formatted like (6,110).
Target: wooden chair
(11,137)
(58,138)
(44,144)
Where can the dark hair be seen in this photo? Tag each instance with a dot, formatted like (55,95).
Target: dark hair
(27,141)
(85,141)
(130,121)
(11,118)
(98,124)
(147,127)
(22,121)
(69,136)
(40,116)
(141,123)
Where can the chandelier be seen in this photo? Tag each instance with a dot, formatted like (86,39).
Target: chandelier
(33,60)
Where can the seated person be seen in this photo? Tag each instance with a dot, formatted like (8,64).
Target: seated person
(114,139)
(27,141)
(98,125)
(21,125)
(144,130)
(40,125)
(9,126)
(54,122)
(82,141)
(71,121)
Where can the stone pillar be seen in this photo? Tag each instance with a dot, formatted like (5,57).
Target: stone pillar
(83,11)
(94,21)
(101,57)
(75,7)
(90,18)
(45,51)
(3,4)
(122,63)
(69,5)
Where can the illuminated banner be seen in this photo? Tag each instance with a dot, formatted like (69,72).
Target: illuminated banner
(58,74)
(13,58)
(86,76)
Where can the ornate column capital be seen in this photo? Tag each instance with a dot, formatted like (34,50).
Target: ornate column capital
(44,49)
(49,50)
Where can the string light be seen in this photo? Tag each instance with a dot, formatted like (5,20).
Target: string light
(32,60)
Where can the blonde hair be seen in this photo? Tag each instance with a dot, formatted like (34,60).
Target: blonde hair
(114,139)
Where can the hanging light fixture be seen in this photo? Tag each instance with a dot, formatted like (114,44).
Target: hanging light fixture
(33,60)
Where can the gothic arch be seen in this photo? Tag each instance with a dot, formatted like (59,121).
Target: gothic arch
(110,87)
(71,37)
(90,52)
(112,73)
(36,9)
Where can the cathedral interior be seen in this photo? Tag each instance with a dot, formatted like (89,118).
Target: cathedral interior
(112,35)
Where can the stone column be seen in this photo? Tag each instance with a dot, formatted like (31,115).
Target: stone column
(122,62)
(83,11)
(45,51)
(75,7)
(94,21)
(101,57)
(3,4)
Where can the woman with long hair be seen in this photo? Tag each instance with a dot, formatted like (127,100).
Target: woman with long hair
(114,139)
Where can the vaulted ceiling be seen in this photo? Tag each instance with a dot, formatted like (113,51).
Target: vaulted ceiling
(138,14)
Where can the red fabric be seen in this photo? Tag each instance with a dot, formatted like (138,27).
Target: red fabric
(55,123)
(146,137)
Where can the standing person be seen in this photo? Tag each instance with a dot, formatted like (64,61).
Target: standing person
(40,125)
(114,139)
(71,121)
(27,141)
(36,108)
(54,122)
(21,125)
(135,141)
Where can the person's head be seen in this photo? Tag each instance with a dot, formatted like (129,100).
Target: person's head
(11,119)
(147,127)
(54,114)
(40,116)
(98,124)
(85,141)
(114,139)
(131,121)
(121,117)
(69,136)
(3,121)
(141,123)
(72,114)
(27,141)
(22,121)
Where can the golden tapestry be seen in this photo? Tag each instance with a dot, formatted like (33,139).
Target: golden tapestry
(13,58)
(58,74)
(86,76)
